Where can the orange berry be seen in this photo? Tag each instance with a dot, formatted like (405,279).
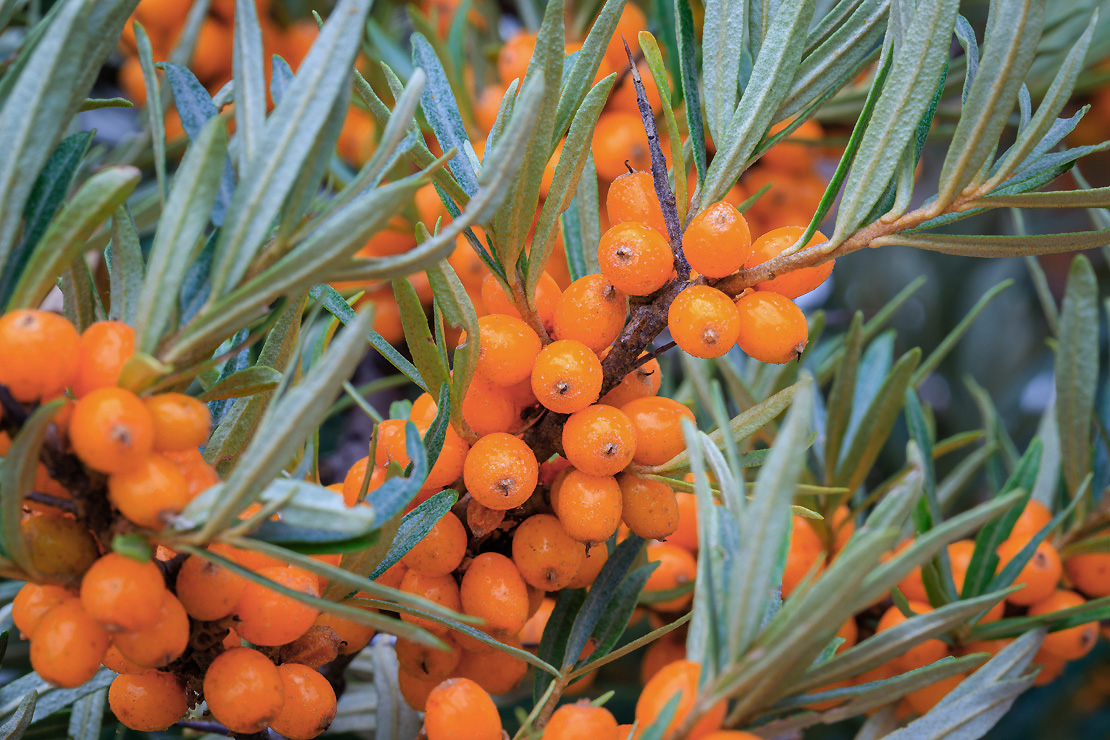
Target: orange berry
(686,534)
(488,409)
(459,709)
(548,559)
(849,632)
(441,550)
(642,382)
(199,475)
(38,354)
(414,691)
(208,591)
(797,282)
(424,410)
(500,471)
(68,645)
(147,702)
(449,465)
(804,554)
(589,506)
(772,328)
(513,59)
(620,142)
(244,690)
(161,644)
(105,346)
(567,376)
(623,97)
(717,242)
(1039,576)
(496,301)
(681,677)
(150,492)
(635,259)
(353,636)
(659,655)
(704,321)
(111,430)
(922,700)
(507,349)
(581,720)
(123,594)
(791,156)
(1034,517)
(211,61)
(1071,643)
(921,654)
(356,139)
(596,557)
(658,424)
(427,663)
(493,589)
(352,482)
(31,604)
(267,617)
(591,311)
(599,440)
(309,706)
(632,197)
(648,507)
(389,437)
(494,670)
(677,567)
(442,590)
(1090,573)
(180,422)
(629,25)
(61,549)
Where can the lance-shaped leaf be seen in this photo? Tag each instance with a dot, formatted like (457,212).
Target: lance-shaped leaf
(1077,371)
(17,479)
(126,269)
(248,66)
(580,76)
(442,111)
(67,234)
(998,246)
(722,46)
(16,725)
(458,310)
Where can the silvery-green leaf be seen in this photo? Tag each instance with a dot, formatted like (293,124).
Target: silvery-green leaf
(722,45)
(250,82)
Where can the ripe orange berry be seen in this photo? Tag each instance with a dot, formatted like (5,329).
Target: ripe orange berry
(1071,643)
(790,155)
(31,604)
(269,618)
(494,670)
(352,482)
(123,594)
(105,346)
(309,706)
(1090,573)
(496,301)
(38,354)
(493,589)
(659,655)
(507,349)
(581,720)
(161,644)
(244,690)
(111,430)
(596,557)
(772,328)
(681,677)
(677,567)
(796,282)
(548,559)
(599,440)
(620,142)
(635,259)
(441,550)
(150,701)
(1039,576)
(591,311)
(68,645)
(180,422)
(427,663)
(61,549)
(567,376)
(208,591)
(442,590)
(623,97)
(704,321)
(501,471)
(414,691)
(658,424)
(642,382)
(648,507)
(632,197)
(353,636)
(488,409)
(631,22)
(921,654)
(1033,519)
(922,700)
(717,242)
(805,554)
(589,506)
(514,56)
(449,465)
(459,709)
(149,492)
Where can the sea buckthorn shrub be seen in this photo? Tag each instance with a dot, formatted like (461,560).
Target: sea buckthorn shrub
(621,478)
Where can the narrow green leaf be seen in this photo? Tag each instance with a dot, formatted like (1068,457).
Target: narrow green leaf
(458,309)
(154,110)
(688,78)
(17,479)
(441,109)
(998,246)
(418,336)
(722,44)
(87,716)
(247,382)
(248,66)
(579,78)
(588,618)
(16,725)
(125,268)
(1077,370)
(654,59)
(842,395)
(65,238)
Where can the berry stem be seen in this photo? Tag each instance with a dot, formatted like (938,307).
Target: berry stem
(659,171)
